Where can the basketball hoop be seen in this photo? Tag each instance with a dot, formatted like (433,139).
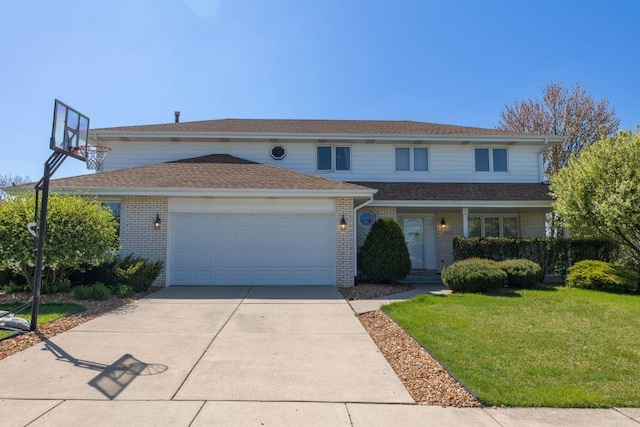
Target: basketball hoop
(94,155)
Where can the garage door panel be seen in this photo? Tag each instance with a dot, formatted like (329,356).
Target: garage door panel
(252,249)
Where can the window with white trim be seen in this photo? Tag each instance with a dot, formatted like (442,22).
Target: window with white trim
(412,159)
(330,158)
(493,226)
(491,159)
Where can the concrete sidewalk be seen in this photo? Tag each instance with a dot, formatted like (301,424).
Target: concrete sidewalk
(233,356)
(366,305)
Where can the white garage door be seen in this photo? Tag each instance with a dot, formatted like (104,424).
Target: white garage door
(222,249)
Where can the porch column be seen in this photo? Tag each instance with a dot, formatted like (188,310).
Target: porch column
(465,222)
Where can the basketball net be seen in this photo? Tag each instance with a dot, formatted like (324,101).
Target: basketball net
(94,155)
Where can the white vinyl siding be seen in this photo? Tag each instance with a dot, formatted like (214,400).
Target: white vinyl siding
(449,162)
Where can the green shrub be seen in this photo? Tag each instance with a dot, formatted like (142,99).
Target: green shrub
(97,292)
(553,255)
(474,275)
(122,291)
(135,272)
(384,256)
(138,273)
(56,286)
(603,276)
(12,288)
(522,272)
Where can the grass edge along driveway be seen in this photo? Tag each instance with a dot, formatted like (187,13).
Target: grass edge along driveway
(47,313)
(553,347)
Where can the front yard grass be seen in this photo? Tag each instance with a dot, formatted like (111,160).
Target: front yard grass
(47,313)
(555,347)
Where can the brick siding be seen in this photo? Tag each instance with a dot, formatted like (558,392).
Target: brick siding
(533,224)
(138,236)
(345,257)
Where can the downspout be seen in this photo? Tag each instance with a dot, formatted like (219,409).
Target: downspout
(355,237)
(541,159)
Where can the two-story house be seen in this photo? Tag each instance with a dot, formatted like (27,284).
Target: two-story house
(250,202)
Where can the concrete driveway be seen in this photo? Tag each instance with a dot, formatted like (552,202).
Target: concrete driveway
(188,345)
(234,356)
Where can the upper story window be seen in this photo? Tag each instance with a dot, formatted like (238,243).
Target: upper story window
(330,158)
(491,159)
(412,159)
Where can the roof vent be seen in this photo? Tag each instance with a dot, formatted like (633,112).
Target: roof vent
(177,114)
(278,152)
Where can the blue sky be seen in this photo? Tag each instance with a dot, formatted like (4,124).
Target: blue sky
(457,62)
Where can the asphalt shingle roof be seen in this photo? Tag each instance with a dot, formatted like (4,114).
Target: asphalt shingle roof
(458,191)
(286,126)
(212,171)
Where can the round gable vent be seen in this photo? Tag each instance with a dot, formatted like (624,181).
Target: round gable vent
(278,153)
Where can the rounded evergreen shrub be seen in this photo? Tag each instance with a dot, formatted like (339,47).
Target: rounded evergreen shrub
(522,272)
(474,275)
(602,276)
(384,256)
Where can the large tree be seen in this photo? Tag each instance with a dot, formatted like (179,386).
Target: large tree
(599,192)
(80,232)
(572,114)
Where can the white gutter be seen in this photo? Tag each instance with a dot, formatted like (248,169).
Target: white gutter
(106,134)
(464,203)
(355,235)
(215,192)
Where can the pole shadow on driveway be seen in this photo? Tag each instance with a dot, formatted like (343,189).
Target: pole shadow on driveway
(112,379)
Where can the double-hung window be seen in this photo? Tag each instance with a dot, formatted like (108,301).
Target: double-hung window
(491,159)
(333,158)
(493,226)
(412,159)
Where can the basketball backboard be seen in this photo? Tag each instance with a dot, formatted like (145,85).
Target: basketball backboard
(70,130)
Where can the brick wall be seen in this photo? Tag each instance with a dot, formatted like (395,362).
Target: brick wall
(138,236)
(445,236)
(345,257)
(533,224)
(379,212)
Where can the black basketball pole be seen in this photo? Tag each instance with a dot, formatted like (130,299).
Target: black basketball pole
(50,166)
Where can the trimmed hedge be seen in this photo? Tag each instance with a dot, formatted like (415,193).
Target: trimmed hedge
(555,256)
(602,276)
(384,256)
(522,273)
(474,275)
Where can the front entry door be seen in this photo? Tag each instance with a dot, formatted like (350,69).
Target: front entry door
(414,236)
(420,235)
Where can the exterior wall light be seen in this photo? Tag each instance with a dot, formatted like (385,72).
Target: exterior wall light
(157,222)
(343,224)
(443,223)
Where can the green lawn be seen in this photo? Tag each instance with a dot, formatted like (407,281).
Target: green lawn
(48,312)
(546,347)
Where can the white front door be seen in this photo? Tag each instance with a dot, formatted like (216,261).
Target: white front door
(414,236)
(419,233)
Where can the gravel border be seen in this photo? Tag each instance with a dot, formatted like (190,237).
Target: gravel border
(425,379)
